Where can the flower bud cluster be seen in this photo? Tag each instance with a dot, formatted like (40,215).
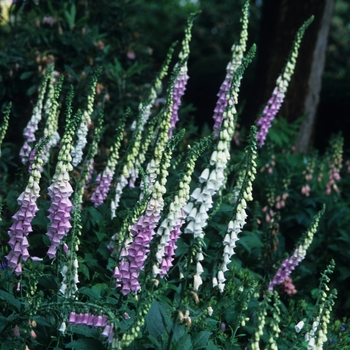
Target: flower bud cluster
(5,123)
(32,126)
(130,170)
(164,126)
(129,337)
(21,226)
(236,60)
(274,322)
(299,254)
(77,152)
(104,179)
(276,100)
(261,324)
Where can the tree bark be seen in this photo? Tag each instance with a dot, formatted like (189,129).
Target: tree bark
(315,81)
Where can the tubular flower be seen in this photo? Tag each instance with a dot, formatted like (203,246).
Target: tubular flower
(104,180)
(241,193)
(32,126)
(182,77)
(299,254)
(236,60)
(134,256)
(275,102)
(170,228)
(21,226)
(334,159)
(134,253)
(60,190)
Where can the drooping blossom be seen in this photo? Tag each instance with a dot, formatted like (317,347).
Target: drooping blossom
(21,226)
(170,228)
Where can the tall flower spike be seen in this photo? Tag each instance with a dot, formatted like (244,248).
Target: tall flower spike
(276,100)
(242,193)
(135,252)
(299,254)
(163,131)
(130,168)
(213,177)
(32,126)
(182,77)
(170,228)
(22,220)
(238,51)
(60,190)
(77,153)
(5,124)
(145,107)
(69,271)
(104,179)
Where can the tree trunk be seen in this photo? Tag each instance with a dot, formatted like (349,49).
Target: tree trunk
(315,81)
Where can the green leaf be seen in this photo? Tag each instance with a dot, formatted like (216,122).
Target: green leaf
(200,340)
(184,343)
(250,240)
(157,320)
(25,75)
(85,344)
(182,247)
(10,299)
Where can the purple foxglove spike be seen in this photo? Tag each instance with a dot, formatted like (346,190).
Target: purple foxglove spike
(102,189)
(269,113)
(179,90)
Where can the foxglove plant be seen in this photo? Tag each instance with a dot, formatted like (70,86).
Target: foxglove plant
(170,228)
(238,51)
(23,218)
(60,190)
(135,252)
(32,126)
(276,100)
(69,270)
(241,194)
(289,264)
(201,199)
(104,179)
